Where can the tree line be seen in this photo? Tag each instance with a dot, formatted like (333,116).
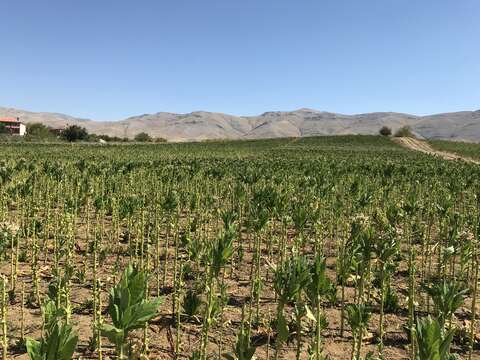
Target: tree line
(75,133)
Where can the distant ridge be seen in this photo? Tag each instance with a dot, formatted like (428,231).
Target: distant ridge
(202,125)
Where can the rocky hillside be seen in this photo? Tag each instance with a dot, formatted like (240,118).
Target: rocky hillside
(200,125)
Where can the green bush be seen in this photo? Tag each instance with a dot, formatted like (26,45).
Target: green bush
(108,138)
(143,137)
(385,131)
(404,131)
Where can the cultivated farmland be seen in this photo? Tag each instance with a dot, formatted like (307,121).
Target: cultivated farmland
(312,248)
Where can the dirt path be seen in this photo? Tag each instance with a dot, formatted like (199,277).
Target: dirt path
(426,148)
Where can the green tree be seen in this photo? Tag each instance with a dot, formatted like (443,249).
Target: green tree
(40,131)
(143,137)
(74,133)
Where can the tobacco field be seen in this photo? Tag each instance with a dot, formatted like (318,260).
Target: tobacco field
(347,247)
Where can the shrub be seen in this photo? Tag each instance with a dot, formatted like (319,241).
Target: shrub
(92,138)
(108,138)
(385,131)
(404,131)
(143,137)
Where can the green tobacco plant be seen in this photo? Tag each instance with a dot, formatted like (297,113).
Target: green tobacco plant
(290,279)
(385,248)
(432,343)
(128,309)
(357,317)
(52,314)
(242,350)
(346,263)
(318,287)
(4,317)
(59,344)
(217,258)
(191,303)
(447,297)
(59,340)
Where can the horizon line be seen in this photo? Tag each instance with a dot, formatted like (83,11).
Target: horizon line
(231,114)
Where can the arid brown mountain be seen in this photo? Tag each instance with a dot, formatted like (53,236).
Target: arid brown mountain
(200,125)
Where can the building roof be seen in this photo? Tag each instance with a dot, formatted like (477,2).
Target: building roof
(9,119)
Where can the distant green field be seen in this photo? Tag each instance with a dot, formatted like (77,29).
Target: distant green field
(296,147)
(461,148)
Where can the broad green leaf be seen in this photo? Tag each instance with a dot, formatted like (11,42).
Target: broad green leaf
(33,349)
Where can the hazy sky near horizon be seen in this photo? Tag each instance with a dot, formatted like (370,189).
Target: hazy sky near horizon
(110,59)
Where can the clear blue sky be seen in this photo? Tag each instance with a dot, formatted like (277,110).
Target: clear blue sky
(109,59)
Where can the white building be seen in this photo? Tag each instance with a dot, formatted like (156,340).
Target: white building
(13,125)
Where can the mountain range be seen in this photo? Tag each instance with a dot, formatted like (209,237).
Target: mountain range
(201,125)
